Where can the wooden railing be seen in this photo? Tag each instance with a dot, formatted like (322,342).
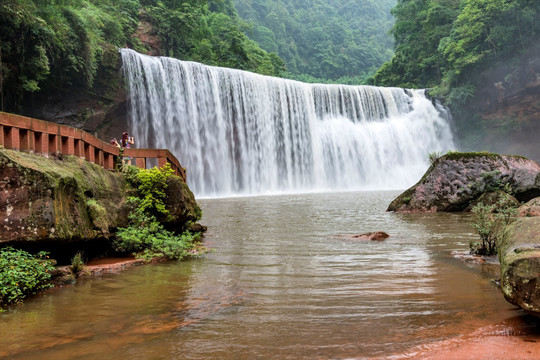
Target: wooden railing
(46,138)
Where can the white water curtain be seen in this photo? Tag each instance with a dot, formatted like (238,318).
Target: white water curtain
(240,133)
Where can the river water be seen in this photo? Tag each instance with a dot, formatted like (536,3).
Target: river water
(279,285)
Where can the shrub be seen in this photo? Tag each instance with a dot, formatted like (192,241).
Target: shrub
(433,157)
(22,274)
(490,223)
(145,236)
(77,263)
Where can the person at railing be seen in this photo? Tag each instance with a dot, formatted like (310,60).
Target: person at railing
(127,141)
(115,143)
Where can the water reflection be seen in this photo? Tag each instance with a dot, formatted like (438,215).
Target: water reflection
(279,285)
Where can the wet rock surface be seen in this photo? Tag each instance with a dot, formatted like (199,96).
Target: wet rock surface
(48,200)
(456,180)
(519,256)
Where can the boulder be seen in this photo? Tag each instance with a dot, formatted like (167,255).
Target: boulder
(455,180)
(497,198)
(519,255)
(531,208)
(69,199)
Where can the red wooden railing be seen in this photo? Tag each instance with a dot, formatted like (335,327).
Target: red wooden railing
(46,138)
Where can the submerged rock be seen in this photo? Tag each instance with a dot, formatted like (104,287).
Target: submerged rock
(519,256)
(375,236)
(456,180)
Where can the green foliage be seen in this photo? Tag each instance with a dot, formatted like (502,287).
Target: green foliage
(209,32)
(433,157)
(22,274)
(490,223)
(146,236)
(56,45)
(445,45)
(77,263)
(49,46)
(325,40)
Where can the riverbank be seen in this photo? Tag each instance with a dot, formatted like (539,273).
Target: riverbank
(515,339)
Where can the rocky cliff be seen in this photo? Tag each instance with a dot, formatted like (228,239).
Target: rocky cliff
(504,116)
(68,200)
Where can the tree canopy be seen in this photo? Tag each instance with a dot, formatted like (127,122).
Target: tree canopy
(445,44)
(341,40)
(54,45)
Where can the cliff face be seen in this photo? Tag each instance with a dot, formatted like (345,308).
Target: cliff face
(69,200)
(504,115)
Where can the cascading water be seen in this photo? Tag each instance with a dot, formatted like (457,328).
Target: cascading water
(242,133)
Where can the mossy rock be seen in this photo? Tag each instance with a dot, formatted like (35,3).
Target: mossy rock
(519,255)
(456,180)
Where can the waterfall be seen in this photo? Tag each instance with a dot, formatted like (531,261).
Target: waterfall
(240,133)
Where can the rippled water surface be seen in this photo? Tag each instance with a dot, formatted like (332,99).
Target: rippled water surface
(280,285)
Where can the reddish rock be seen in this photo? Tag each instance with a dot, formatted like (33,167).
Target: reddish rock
(375,236)
(455,180)
(531,208)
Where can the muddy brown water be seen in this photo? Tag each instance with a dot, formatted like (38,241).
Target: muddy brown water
(280,285)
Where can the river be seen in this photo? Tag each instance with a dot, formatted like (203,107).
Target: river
(279,285)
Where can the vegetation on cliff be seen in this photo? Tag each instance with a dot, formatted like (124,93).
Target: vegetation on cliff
(446,45)
(340,41)
(481,58)
(48,46)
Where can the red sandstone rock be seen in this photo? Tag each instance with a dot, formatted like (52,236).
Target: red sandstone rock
(455,180)
(532,208)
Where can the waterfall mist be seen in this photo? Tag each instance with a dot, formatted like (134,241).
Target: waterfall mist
(240,133)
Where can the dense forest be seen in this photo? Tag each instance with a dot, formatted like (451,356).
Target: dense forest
(49,46)
(446,45)
(343,41)
(482,58)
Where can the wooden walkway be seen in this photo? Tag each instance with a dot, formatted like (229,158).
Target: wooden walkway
(46,138)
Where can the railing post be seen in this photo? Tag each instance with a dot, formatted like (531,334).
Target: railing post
(14,140)
(78,148)
(140,163)
(24,139)
(108,161)
(53,144)
(91,156)
(100,158)
(161,162)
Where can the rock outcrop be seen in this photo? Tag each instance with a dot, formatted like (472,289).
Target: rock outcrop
(70,199)
(456,180)
(531,208)
(519,255)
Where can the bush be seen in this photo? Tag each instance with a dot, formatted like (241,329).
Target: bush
(22,274)
(145,236)
(77,263)
(490,223)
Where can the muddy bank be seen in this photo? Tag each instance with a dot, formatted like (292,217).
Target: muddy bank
(517,338)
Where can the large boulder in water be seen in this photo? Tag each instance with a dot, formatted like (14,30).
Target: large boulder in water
(519,255)
(455,180)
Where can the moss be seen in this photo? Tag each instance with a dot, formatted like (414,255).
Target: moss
(456,155)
